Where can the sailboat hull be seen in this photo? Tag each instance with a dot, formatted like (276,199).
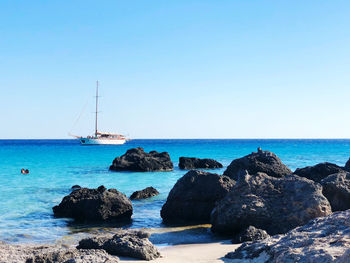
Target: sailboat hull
(101,141)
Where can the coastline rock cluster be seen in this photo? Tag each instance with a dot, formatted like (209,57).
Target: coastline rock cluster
(95,205)
(139,161)
(319,171)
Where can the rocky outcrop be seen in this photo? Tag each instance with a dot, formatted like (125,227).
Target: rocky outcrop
(126,243)
(11,253)
(250,234)
(319,171)
(95,205)
(193,197)
(325,239)
(276,205)
(75,187)
(260,161)
(188,163)
(145,193)
(139,161)
(336,188)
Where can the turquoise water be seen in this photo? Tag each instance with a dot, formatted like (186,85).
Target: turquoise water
(56,165)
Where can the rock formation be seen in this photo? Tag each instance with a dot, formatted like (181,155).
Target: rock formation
(188,163)
(276,205)
(95,205)
(145,193)
(336,188)
(193,197)
(324,239)
(260,161)
(139,161)
(319,171)
(250,234)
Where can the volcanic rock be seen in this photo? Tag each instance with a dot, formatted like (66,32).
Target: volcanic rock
(324,239)
(260,161)
(95,205)
(193,197)
(276,205)
(319,171)
(188,163)
(336,188)
(250,234)
(145,193)
(139,161)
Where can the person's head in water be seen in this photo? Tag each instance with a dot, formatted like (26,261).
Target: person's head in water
(24,171)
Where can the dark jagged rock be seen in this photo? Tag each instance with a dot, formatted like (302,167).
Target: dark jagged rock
(336,188)
(139,161)
(250,234)
(324,239)
(75,187)
(95,205)
(319,171)
(260,161)
(145,193)
(193,197)
(273,204)
(347,165)
(126,243)
(188,163)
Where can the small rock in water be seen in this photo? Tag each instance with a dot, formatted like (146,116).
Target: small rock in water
(145,193)
(139,161)
(188,163)
(75,187)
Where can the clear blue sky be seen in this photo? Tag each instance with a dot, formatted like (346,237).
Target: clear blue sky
(176,69)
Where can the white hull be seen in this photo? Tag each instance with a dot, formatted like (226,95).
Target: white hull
(99,141)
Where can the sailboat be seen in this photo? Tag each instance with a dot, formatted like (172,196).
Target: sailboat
(99,138)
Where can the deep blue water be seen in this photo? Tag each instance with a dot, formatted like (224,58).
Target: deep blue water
(56,165)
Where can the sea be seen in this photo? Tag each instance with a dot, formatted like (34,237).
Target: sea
(26,200)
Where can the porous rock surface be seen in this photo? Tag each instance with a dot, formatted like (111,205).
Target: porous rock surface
(260,161)
(194,196)
(322,240)
(276,205)
(189,163)
(95,205)
(138,160)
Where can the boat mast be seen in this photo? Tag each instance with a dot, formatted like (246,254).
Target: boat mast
(96,108)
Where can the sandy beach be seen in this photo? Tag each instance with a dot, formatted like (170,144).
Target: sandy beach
(199,253)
